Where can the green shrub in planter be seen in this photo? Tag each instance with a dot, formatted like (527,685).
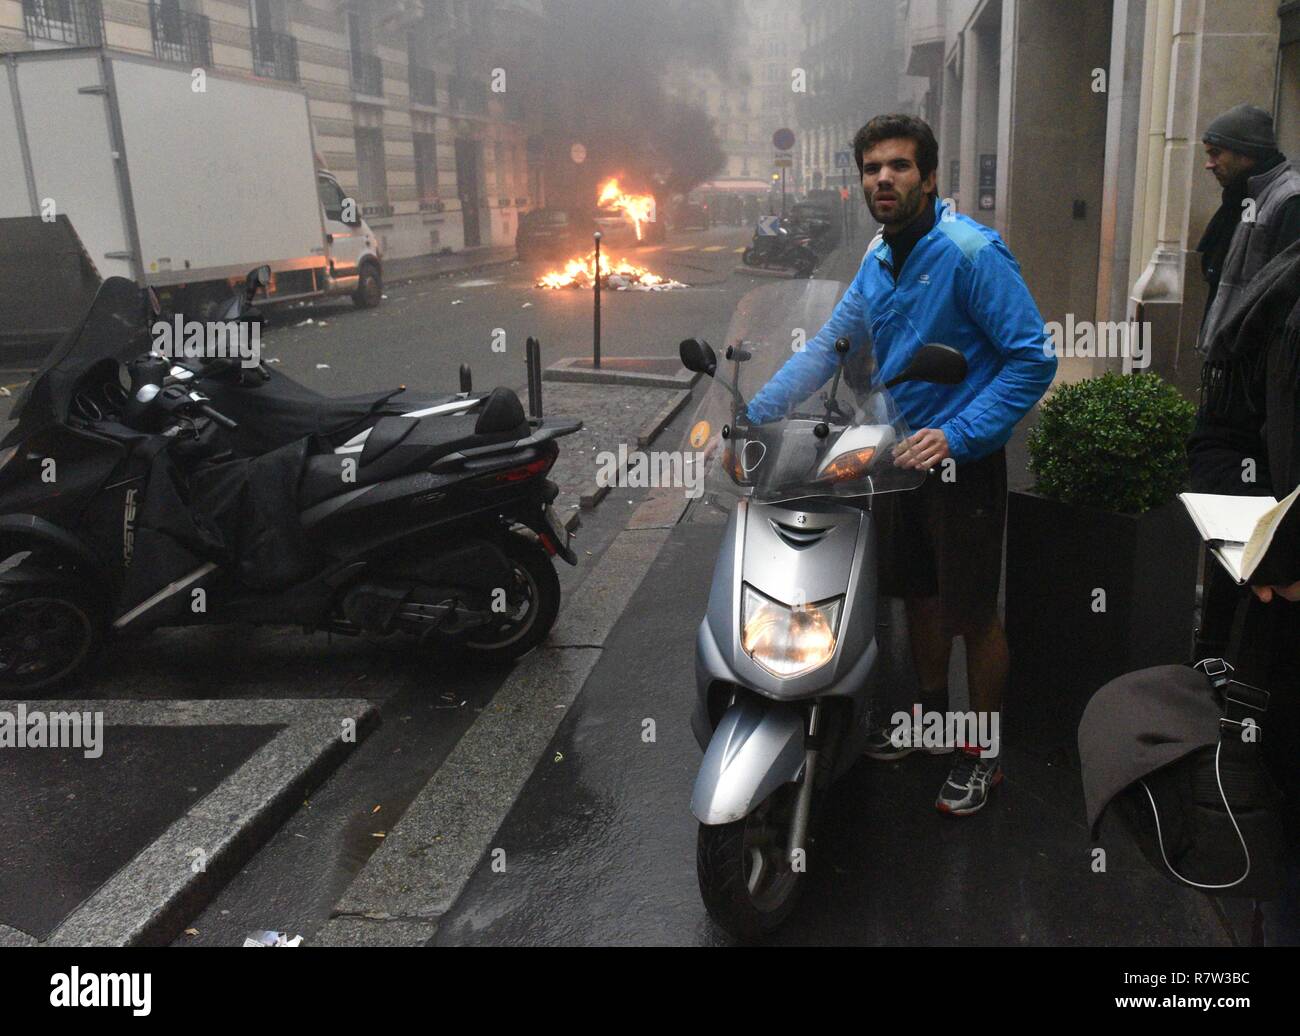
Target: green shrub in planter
(1118,442)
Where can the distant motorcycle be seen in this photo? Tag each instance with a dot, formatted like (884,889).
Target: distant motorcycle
(790,248)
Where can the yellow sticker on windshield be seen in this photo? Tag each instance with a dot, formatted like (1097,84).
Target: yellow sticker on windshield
(700,434)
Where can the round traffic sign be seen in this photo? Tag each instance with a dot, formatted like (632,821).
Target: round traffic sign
(578,153)
(783,139)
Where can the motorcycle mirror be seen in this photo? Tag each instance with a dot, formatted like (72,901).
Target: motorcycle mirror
(935,363)
(698,356)
(258,278)
(842,346)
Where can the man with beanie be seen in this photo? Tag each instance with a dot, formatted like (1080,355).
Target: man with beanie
(1241,151)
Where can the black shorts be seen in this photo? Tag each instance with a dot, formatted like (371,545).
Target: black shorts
(944,540)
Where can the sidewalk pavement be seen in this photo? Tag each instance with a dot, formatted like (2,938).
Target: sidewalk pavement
(191,790)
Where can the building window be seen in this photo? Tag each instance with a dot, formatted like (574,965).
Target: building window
(79,22)
(179,35)
(367,69)
(275,54)
(426,167)
(372,175)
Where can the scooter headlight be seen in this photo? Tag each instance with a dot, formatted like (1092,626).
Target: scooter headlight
(788,640)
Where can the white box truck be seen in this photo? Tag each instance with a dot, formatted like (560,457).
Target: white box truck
(180,184)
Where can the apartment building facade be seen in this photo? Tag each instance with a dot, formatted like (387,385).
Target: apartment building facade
(418,106)
(849,57)
(752,99)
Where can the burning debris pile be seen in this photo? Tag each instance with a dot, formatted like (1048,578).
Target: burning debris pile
(615,276)
(618,276)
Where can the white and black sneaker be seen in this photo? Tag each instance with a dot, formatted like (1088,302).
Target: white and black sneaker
(969,783)
(881,745)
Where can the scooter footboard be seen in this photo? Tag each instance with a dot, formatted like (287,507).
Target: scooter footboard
(757,747)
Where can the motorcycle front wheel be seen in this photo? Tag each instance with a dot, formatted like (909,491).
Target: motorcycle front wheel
(47,635)
(746,878)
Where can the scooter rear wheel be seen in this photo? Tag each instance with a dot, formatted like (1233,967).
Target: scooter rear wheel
(536,598)
(746,880)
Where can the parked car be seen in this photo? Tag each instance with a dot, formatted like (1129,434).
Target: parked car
(550,233)
(689,216)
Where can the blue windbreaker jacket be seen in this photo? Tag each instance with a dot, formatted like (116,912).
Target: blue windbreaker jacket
(961,286)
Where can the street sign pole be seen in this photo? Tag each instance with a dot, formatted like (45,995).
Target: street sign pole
(783,192)
(595,340)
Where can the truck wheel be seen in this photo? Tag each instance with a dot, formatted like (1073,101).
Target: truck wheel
(370,287)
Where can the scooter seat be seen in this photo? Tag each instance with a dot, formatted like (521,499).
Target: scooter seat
(423,443)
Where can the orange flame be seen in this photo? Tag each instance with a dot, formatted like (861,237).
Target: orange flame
(581,273)
(639,207)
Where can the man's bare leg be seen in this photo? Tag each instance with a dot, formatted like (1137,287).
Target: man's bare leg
(988,662)
(931,646)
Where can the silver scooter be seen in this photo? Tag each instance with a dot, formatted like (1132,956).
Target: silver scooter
(786,652)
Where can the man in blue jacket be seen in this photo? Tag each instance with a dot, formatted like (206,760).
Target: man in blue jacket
(936,276)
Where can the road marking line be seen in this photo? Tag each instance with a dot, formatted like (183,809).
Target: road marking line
(715,248)
(684,248)
(740,250)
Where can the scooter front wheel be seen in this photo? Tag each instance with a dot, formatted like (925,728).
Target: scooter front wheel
(747,880)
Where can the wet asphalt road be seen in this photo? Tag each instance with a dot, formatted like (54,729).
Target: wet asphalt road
(600,847)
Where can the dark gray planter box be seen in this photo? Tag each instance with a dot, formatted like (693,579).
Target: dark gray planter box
(1062,650)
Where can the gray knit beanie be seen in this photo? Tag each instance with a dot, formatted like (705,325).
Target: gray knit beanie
(1246,129)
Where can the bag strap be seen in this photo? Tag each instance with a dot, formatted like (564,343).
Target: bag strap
(1242,704)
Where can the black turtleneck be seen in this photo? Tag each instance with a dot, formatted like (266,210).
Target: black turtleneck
(902,241)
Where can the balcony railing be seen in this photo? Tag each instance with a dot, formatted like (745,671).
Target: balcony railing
(79,22)
(180,36)
(423,87)
(275,55)
(367,74)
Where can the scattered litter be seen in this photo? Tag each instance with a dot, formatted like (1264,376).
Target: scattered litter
(375,810)
(477,284)
(322,366)
(526,305)
(378,834)
(458,302)
(271,939)
(5,392)
(384,297)
(191,931)
(559,757)
(304,323)
(272,359)
(323,323)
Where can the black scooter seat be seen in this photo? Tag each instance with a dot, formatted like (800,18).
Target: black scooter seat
(400,446)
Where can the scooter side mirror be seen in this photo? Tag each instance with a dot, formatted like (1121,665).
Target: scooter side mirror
(935,363)
(466,379)
(698,356)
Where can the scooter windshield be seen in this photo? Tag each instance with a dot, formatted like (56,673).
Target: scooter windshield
(838,439)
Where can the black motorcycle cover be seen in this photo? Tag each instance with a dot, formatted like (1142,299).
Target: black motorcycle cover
(241,515)
(279,411)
